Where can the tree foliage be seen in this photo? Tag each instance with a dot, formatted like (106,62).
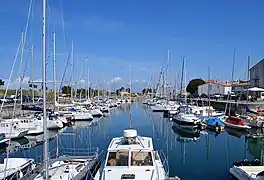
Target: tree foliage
(122,89)
(192,87)
(2,82)
(66,89)
(146,91)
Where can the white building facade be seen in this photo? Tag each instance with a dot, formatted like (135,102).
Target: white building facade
(214,88)
(257,75)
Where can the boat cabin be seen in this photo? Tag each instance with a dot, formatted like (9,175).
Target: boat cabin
(130,151)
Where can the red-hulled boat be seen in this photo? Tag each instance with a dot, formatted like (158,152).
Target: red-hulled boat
(235,122)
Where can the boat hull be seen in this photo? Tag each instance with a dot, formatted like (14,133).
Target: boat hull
(234,126)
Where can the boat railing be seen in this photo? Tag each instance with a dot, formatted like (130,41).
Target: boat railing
(62,151)
(94,151)
(92,171)
(165,162)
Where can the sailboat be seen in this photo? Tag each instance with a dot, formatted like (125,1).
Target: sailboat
(212,122)
(233,121)
(66,166)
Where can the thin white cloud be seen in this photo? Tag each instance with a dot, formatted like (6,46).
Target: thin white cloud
(114,80)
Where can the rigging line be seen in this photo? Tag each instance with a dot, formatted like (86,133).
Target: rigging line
(31,22)
(10,76)
(64,72)
(25,68)
(23,42)
(26,28)
(63,26)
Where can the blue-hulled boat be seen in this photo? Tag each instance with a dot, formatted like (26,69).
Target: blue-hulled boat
(214,123)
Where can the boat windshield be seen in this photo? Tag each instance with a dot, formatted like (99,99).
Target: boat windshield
(141,158)
(119,158)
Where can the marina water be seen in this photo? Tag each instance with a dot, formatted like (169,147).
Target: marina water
(200,155)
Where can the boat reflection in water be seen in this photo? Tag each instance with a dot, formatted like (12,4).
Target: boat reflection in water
(185,136)
(236,133)
(26,142)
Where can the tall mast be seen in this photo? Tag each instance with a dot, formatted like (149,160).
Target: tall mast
(130,82)
(54,67)
(167,81)
(32,72)
(248,77)
(88,84)
(44,90)
(209,83)
(182,76)
(20,68)
(72,74)
(232,79)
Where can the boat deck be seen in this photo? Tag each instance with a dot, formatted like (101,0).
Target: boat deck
(252,169)
(60,166)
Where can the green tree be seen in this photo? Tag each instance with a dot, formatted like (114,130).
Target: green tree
(192,87)
(143,91)
(66,89)
(128,90)
(2,82)
(117,92)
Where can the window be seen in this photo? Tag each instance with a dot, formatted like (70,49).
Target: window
(141,158)
(119,158)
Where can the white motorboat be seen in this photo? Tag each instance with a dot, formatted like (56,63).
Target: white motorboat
(245,170)
(61,117)
(16,168)
(82,116)
(78,113)
(14,132)
(105,109)
(185,118)
(132,157)
(157,108)
(33,125)
(96,112)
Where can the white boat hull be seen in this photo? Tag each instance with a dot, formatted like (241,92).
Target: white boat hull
(96,113)
(54,124)
(247,172)
(82,116)
(16,167)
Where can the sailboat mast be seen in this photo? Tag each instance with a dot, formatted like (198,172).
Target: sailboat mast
(232,79)
(20,68)
(248,77)
(209,84)
(88,84)
(182,75)
(130,82)
(72,73)
(54,67)
(45,159)
(167,81)
(32,73)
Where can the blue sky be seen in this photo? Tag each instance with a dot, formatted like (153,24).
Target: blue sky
(116,34)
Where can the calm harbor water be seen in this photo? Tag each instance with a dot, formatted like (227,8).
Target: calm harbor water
(191,155)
